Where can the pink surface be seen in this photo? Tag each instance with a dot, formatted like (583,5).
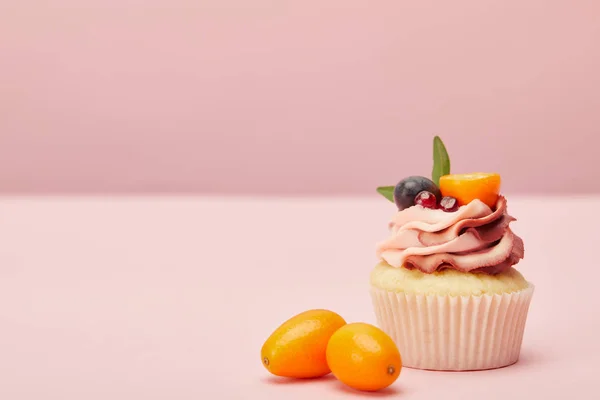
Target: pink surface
(295,97)
(167,298)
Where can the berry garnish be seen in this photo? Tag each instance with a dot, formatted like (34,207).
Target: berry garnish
(407,189)
(449,204)
(426,199)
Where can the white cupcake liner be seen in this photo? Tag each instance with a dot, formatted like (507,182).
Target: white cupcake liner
(454,333)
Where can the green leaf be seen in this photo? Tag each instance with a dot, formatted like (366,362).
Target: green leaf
(387,192)
(441,160)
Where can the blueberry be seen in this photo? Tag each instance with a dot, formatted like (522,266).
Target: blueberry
(408,188)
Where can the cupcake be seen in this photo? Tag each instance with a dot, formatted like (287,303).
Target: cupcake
(446,288)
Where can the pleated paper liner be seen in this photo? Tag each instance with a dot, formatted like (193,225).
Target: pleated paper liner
(454,333)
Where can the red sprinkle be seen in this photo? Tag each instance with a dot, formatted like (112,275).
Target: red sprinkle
(449,204)
(426,199)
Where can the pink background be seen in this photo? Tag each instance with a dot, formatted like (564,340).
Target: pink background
(338,96)
(156,298)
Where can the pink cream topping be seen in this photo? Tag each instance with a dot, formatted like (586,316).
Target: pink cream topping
(474,238)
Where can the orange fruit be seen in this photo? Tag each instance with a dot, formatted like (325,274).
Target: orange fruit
(296,349)
(363,357)
(468,187)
